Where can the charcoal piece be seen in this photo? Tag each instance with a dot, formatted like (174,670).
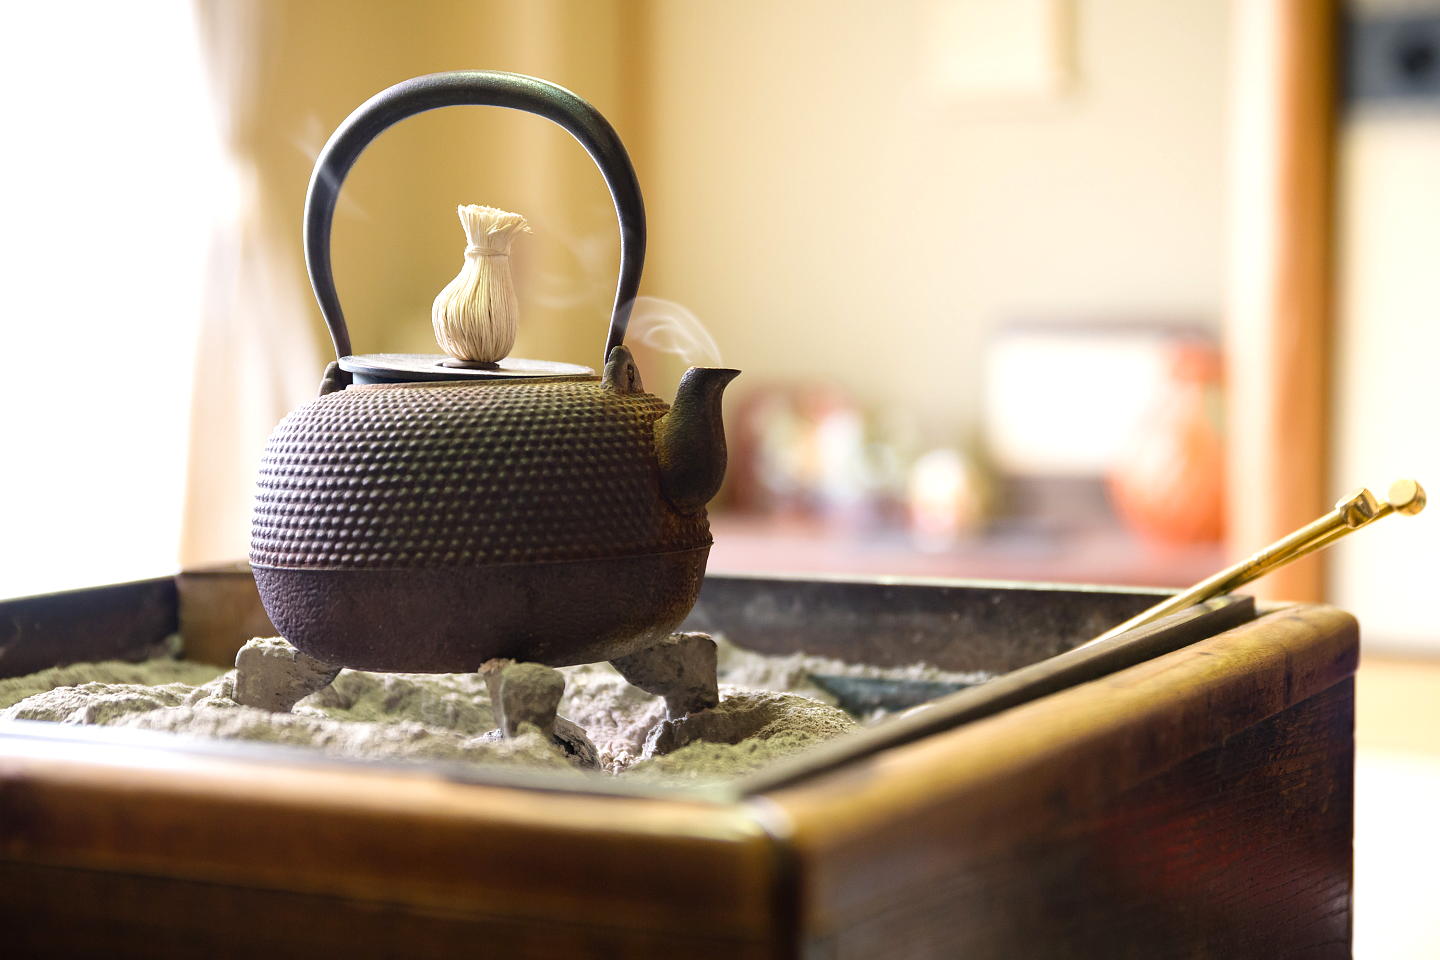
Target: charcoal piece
(861,696)
(572,739)
(681,668)
(523,693)
(272,675)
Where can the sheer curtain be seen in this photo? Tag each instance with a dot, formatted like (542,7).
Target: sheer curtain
(113,175)
(150,340)
(256,356)
(157,322)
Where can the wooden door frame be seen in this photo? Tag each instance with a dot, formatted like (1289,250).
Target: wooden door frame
(1279,321)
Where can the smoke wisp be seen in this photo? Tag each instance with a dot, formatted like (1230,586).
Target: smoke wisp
(667,327)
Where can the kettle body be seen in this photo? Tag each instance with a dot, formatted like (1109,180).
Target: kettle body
(427,518)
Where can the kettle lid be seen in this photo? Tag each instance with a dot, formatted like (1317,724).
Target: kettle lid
(412,367)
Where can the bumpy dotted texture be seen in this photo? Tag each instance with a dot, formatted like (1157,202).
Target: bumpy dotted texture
(465,474)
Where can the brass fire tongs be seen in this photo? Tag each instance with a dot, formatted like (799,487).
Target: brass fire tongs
(1350,514)
(862,695)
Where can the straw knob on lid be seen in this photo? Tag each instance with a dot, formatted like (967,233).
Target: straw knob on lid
(476,316)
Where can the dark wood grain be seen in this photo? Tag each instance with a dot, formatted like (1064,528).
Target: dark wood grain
(953,624)
(666,871)
(1242,851)
(1201,808)
(60,912)
(219,610)
(126,621)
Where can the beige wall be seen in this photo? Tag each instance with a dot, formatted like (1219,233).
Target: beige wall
(830,213)
(289,74)
(1387,394)
(813,196)
(1387,389)
(397,240)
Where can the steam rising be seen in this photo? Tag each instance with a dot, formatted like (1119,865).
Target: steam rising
(661,325)
(667,327)
(589,278)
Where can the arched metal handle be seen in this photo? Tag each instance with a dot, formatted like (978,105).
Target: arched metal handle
(481,88)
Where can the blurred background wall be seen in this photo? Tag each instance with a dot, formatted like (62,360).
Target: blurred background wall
(289,73)
(832,209)
(848,216)
(397,238)
(960,249)
(1387,341)
(815,192)
(868,206)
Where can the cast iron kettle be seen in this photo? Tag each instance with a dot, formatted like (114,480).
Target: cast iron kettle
(424,517)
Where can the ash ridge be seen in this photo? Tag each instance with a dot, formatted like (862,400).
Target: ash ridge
(429,717)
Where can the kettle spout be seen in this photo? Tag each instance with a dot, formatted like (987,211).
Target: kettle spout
(690,439)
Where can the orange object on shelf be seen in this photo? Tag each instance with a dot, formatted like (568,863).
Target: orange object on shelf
(1170,485)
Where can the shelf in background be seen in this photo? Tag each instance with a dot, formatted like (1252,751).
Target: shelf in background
(1106,556)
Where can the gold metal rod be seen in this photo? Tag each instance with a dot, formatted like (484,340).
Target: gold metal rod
(1318,543)
(1405,496)
(1233,576)
(1350,514)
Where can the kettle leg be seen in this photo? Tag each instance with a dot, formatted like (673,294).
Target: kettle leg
(529,693)
(682,668)
(272,675)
